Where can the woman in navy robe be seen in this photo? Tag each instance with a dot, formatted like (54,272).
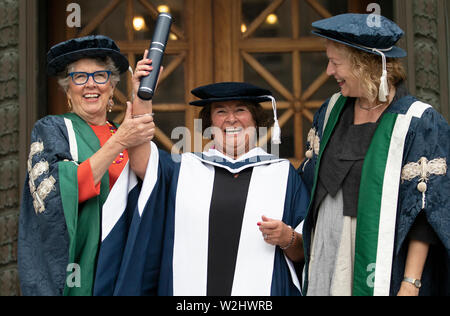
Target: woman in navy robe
(223,222)
(379,219)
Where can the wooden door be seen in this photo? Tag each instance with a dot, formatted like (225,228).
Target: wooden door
(269,43)
(264,42)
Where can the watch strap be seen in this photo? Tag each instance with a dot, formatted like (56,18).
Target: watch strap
(416,282)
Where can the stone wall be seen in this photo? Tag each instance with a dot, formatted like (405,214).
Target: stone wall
(9,144)
(426,51)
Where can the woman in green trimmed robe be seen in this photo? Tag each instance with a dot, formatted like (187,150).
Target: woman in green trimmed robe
(73,163)
(378,222)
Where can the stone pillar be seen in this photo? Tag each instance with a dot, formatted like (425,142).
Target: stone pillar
(426,51)
(9,152)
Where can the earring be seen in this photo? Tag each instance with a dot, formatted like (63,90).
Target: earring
(69,104)
(111,105)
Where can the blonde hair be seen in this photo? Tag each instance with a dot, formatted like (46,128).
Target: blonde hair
(367,68)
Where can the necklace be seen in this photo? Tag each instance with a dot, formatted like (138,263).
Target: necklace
(368,108)
(113,130)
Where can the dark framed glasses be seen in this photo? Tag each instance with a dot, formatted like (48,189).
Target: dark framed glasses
(100,77)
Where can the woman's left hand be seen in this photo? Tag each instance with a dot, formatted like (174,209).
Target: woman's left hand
(275,232)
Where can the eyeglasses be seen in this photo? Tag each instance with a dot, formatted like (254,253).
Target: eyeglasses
(100,77)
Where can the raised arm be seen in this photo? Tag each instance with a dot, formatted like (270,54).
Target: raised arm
(141,113)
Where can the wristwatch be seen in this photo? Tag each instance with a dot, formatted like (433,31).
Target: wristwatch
(417,283)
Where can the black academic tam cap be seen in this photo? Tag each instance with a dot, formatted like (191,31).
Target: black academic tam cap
(229,91)
(65,53)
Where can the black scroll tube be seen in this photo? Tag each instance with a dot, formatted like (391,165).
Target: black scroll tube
(156,53)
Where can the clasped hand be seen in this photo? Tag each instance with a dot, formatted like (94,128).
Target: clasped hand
(136,131)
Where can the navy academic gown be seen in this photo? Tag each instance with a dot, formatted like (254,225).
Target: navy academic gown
(157,242)
(425,144)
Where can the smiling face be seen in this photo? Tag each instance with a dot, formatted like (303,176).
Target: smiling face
(90,100)
(233,127)
(339,67)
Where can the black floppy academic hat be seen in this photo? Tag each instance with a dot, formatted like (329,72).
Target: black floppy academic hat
(361,32)
(65,53)
(229,91)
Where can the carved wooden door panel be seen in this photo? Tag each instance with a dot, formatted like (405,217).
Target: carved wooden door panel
(270,44)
